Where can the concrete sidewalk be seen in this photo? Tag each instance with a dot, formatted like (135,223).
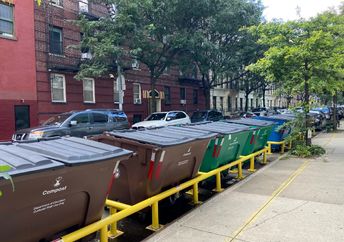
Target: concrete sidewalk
(287,200)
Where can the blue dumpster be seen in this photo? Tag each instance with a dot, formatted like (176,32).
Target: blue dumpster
(277,133)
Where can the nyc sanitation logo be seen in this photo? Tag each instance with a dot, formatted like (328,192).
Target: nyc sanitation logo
(57,185)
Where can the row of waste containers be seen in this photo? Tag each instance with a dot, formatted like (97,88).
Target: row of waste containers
(61,184)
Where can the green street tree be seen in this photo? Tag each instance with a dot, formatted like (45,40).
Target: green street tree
(305,57)
(221,48)
(153,32)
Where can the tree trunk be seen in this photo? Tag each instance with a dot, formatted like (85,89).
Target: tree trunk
(306,105)
(335,112)
(206,92)
(153,98)
(246,101)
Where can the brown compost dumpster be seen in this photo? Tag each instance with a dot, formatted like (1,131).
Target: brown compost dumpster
(60,185)
(161,160)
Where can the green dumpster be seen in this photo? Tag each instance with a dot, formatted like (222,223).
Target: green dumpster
(249,144)
(226,147)
(262,134)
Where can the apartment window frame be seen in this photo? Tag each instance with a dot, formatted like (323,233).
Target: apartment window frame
(195,97)
(93,91)
(63,78)
(57,3)
(84,6)
(167,92)
(59,50)
(182,93)
(214,103)
(9,20)
(137,94)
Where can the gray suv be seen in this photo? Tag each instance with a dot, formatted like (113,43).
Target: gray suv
(76,123)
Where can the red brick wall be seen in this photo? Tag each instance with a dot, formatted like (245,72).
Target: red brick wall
(17,69)
(46,64)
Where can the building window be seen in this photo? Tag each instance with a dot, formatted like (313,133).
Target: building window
(167,92)
(137,93)
(251,103)
(88,90)
(221,103)
(6,19)
(195,96)
(83,6)
(115,92)
(241,103)
(214,102)
(58,88)
(257,103)
(56,2)
(182,93)
(229,104)
(56,45)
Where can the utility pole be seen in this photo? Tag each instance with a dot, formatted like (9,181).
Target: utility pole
(120,86)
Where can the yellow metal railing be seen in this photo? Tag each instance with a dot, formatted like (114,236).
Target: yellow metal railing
(119,210)
(283,145)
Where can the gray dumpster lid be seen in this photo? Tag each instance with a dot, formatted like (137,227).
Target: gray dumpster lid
(71,150)
(159,136)
(282,117)
(220,127)
(248,121)
(21,161)
(186,131)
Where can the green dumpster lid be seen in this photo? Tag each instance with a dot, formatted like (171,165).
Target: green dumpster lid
(220,127)
(248,121)
(22,161)
(163,136)
(71,150)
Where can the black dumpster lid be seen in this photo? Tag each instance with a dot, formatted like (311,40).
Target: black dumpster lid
(159,136)
(249,121)
(220,127)
(22,161)
(71,150)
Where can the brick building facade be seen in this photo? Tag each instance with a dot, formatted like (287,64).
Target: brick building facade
(18,99)
(57,64)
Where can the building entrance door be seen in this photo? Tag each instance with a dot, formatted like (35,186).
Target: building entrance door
(22,116)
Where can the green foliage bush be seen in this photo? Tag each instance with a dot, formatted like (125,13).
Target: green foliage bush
(304,151)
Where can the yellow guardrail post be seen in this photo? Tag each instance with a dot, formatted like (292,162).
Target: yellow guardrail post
(282,147)
(218,182)
(251,169)
(269,148)
(155,226)
(104,234)
(264,156)
(114,233)
(195,194)
(240,175)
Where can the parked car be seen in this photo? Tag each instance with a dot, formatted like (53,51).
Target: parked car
(160,119)
(247,114)
(320,119)
(262,111)
(206,115)
(76,123)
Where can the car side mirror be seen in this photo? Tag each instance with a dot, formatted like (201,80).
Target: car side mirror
(168,119)
(73,123)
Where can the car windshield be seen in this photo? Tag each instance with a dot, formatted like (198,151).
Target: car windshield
(57,119)
(199,115)
(156,116)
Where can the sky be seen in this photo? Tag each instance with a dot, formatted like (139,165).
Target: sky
(286,9)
